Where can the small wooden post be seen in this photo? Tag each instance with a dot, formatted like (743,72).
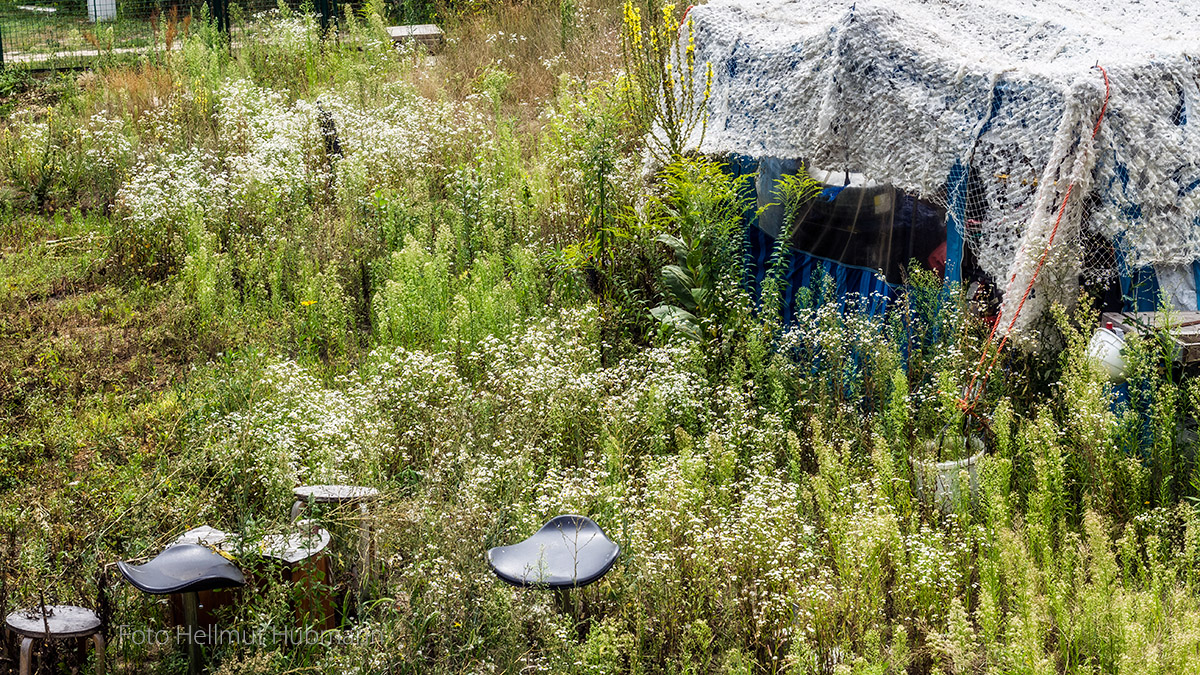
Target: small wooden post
(191,619)
(98,639)
(365,548)
(26,655)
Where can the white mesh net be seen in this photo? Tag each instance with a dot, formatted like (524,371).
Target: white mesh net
(987,109)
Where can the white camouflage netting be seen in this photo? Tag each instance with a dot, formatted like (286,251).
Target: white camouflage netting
(902,90)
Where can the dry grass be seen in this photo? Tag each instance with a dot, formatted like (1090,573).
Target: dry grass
(132,91)
(520,51)
(528,43)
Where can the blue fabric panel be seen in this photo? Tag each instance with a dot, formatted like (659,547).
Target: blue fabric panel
(1196,276)
(851,284)
(804,270)
(770,171)
(760,253)
(956,220)
(1139,290)
(741,165)
(1139,286)
(1120,396)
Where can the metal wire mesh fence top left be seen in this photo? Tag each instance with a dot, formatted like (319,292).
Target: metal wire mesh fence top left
(59,32)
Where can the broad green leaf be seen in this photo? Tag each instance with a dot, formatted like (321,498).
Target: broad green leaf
(681,320)
(679,286)
(676,244)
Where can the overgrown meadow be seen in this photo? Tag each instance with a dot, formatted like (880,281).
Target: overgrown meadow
(466,281)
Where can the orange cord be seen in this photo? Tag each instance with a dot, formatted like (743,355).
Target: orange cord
(972,392)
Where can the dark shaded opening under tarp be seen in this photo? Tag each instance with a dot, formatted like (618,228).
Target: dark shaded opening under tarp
(862,237)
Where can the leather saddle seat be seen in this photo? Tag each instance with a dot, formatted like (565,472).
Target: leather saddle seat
(183,568)
(570,551)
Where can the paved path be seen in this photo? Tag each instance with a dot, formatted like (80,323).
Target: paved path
(427,34)
(21,58)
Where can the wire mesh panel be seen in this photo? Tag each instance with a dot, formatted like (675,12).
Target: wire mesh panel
(52,33)
(43,33)
(46,34)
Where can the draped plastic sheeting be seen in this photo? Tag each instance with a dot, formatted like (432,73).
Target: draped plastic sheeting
(986,110)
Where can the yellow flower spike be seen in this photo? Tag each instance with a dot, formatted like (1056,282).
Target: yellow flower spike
(308,303)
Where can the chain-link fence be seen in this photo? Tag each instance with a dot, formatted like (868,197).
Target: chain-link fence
(52,33)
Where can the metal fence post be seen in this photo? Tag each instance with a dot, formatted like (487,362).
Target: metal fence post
(220,12)
(1,46)
(325,8)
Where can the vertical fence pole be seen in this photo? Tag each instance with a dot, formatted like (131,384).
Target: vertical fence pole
(1,46)
(220,12)
(324,7)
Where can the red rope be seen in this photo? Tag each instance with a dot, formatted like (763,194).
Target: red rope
(972,393)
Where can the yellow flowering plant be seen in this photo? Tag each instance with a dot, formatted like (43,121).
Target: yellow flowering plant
(661,82)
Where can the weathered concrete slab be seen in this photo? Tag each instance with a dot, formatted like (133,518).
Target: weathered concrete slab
(426,34)
(335,494)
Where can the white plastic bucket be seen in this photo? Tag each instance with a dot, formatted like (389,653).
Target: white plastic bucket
(943,477)
(1105,347)
(102,10)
